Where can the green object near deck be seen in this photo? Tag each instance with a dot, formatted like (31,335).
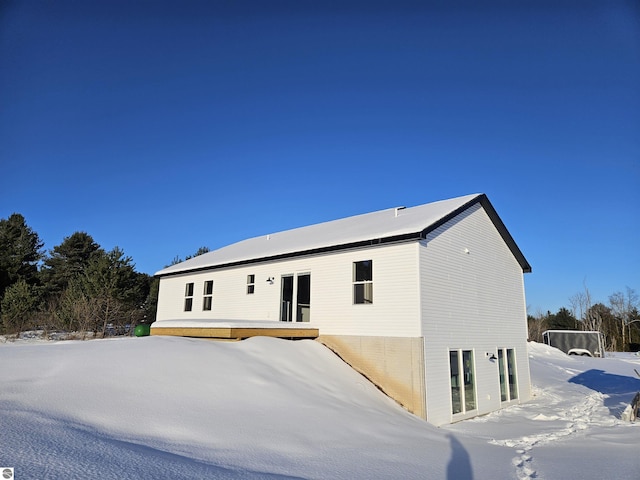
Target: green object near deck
(142,330)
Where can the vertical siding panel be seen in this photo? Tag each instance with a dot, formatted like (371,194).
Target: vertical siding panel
(472,301)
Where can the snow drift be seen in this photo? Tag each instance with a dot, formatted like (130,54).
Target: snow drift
(162,407)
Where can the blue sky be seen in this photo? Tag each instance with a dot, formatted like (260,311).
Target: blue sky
(161,127)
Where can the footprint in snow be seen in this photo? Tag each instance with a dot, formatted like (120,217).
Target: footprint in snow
(522,463)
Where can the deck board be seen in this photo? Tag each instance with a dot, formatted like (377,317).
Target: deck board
(236,333)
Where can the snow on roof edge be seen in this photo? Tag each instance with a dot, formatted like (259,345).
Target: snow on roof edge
(343,231)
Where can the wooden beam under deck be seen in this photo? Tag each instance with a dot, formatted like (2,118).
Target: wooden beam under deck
(235,333)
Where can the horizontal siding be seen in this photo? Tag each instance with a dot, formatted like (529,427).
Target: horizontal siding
(395,309)
(394,312)
(472,298)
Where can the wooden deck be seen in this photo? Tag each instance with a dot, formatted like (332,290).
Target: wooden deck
(235,331)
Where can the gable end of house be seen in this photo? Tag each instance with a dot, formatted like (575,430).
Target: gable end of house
(483,200)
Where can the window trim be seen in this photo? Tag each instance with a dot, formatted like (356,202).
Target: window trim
(508,374)
(188,296)
(207,296)
(467,400)
(362,288)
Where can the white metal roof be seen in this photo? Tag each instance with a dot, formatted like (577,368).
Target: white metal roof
(389,224)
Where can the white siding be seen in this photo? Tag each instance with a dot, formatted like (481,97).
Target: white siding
(472,298)
(394,312)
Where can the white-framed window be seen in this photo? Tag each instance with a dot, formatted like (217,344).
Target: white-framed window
(363,282)
(463,383)
(207,299)
(251,284)
(188,297)
(507,372)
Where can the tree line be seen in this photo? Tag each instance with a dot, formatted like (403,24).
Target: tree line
(76,286)
(618,320)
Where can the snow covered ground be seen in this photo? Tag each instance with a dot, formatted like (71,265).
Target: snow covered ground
(176,408)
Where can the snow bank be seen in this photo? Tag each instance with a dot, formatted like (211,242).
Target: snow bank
(163,407)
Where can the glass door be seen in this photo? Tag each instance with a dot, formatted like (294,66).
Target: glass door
(300,303)
(303,299)
(286,299)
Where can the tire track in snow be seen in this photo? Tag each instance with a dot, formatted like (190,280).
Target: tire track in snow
(578,418)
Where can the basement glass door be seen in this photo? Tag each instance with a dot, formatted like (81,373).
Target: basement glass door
(296,305)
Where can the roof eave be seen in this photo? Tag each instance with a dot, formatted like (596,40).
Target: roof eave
(407,237)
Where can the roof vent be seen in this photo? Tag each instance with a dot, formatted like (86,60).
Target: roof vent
(398,210)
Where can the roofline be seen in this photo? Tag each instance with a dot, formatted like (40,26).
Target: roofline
(408,237)
(482,199)
(497,222)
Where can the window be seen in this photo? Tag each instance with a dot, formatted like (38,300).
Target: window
(507,372)
(511,374)
(207,300)
(251,284)
(188,297)
(463,384)
(454,364)
(363,282)
(303,299)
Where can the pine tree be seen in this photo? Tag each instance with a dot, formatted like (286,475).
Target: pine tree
(113,285)
(67,261)
(562,320)
(20,251)
(19,306)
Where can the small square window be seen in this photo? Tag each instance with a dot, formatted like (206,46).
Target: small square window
(363,271)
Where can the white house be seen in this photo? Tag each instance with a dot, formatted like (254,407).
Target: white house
(428,302)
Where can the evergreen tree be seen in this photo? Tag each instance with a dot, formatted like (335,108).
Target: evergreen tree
(177,259)
(114,287)
(200,251)
(151,302)
(19,306)
(20,251)
(74,311)
(111,273)
(562,320)
(67,261)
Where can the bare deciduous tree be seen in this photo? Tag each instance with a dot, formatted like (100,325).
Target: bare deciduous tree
(623,305)
(581,308)
(537,324)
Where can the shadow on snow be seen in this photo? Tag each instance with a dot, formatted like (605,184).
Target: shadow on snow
(619,389)
(459,466)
